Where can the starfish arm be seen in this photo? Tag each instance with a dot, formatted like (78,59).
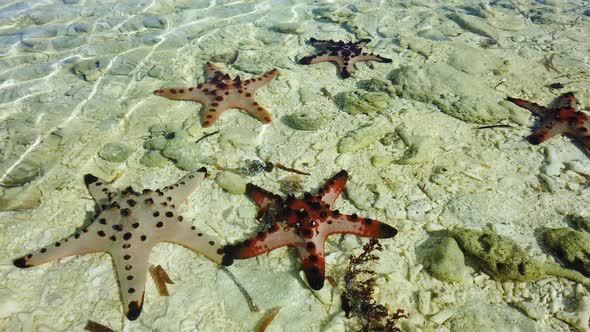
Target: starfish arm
(212,71)
(352,224)
(256,83)
(362,43)
(83,242)
(263,198)
(185,93)
(331,190)
(177,193)
(277,236)
(567,100)
(190,237)
(254,109)
(368,57)
(320,43)
(582,133)
(549,129)
(536,109)
(322,57)
(313,260)
(99,189)
(131,273)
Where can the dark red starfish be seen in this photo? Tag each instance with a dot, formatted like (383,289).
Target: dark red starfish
(344,55)
(305,224)
(563,119)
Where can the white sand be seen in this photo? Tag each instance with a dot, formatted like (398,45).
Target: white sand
(56,121)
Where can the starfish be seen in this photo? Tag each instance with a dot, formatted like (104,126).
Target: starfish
(221,93)
(128,226)
(344,55)
(564,118)
(305,224)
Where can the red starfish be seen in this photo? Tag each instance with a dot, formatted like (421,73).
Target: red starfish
(345,55)
(221,93)
(305,224)
(561,119)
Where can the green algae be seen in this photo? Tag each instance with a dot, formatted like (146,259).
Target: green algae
(504,260)
(115,152)
(305,120)
(572,246)
(363,102)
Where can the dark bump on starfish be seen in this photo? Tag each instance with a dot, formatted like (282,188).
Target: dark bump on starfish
(125,212)
(159,224)
(211,243)
(386,231)
(22,263)
(199,234)
(173,91)
(133,310)
(131,202)
(156,214)
(127,236)
(193,228)
(89,179)
(57,244)
(310,246)
(102,221)
(313,258)
(118,228)
(113,238)
(101,233)
(147,191)
(143,238)
(181,91)
(135,225)
(169,214)
(227,260)
(43,250)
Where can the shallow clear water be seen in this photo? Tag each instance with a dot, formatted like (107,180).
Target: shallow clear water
(76,97)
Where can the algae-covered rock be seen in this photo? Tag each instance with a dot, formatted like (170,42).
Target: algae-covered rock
(153,159)
(447,261)
(21,198)
(176,145)
(23,172)
(305,120)
(115,152)
(232,182)
(364,137)
(504,260)
(484,317)
(90,70)
(377,85)
(572,246)
(456,93)
(363,102)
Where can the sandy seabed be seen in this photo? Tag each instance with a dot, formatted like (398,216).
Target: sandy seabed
(76,82)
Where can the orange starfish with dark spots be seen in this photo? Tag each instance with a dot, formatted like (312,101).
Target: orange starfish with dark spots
(305,224)
(563,118)
(221,93)
(343,54)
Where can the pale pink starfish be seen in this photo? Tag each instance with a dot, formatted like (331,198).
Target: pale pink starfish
(221,93)
(128,226)
(563,119)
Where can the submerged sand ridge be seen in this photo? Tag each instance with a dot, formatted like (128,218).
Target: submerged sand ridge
(76,79)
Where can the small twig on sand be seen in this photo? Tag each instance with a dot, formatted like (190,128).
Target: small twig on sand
(249,300)
(161,278)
